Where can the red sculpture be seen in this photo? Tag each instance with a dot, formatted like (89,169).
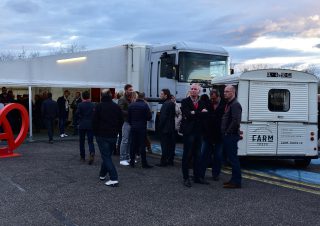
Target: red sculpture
(7,134)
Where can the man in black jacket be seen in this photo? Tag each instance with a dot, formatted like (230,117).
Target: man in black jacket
(63,104)
(230,129)
(84,114)
(138,115)
(192,108)
(211,135)
(49,111)
(106,124)
(167,128)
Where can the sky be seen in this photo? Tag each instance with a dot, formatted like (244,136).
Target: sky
(253,32)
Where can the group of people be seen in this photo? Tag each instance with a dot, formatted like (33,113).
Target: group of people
(209,126)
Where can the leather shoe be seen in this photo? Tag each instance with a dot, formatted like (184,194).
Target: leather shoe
(187,183)
(231,185)
(201,181)
(147,166)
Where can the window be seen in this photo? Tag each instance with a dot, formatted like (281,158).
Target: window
(199,66)
(167,66)
(279,100)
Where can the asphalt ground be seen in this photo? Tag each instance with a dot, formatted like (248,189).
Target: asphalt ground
(48,185)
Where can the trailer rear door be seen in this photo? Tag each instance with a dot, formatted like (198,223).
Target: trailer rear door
(278,101)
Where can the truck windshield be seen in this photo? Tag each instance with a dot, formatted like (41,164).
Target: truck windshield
(199,66)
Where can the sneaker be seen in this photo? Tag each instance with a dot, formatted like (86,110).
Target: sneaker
(65,135)
(112,183)
(102,178)
(124,163)
(62,135)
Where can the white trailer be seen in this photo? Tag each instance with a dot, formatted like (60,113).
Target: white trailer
(279,113)
(148,68)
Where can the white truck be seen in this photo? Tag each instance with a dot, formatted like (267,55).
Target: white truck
(279,113)
(149,68)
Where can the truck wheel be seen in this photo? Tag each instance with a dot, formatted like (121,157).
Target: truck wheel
(302,163)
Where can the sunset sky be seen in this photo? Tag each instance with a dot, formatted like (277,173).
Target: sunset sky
(276,32)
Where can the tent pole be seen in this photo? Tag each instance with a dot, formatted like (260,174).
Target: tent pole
(30,114)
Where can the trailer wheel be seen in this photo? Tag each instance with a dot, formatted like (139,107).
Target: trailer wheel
(302,163)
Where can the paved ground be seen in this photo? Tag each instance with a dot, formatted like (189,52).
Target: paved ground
(48,185)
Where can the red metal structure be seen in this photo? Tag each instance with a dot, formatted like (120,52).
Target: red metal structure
(7,134)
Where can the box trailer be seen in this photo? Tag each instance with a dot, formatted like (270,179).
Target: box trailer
(279,113)
(149,68)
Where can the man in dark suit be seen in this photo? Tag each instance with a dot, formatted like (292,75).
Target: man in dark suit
(74,105)
(49,110)
(211,135)
(192,108)
(84,113)
(167,128)
(63,104)
(138,115)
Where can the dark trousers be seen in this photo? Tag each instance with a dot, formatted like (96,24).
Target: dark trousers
(82,138)
(191,149)
(138,145)
(167,147)
(49,123)
(107,166)
(62,124)
(210,153)
(230,145)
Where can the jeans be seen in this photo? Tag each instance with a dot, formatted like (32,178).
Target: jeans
(82,138)
(230,144)
(138,145)
(105,147)
(191,149)
(207,149)
(167,141)
(125,142)
(62,123)
(49,125)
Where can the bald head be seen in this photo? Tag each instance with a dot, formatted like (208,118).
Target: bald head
(229,92)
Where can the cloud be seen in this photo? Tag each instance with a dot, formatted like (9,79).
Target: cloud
(24,6)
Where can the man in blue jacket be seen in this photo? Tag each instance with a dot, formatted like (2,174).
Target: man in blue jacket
(84,114)
(138,115)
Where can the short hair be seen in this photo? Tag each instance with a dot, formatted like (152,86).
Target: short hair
(166,92)
(106,93)
(141,95)
(215,91)
(86,95)
(127,86)
(49,95)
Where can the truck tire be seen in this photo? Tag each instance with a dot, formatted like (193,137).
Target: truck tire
(302,163)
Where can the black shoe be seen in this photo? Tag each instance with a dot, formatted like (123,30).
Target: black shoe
(187,183)
(50,141)
(161,165)
(82,159)
(170,163)
(146,166)
(201,181)
(131,164)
